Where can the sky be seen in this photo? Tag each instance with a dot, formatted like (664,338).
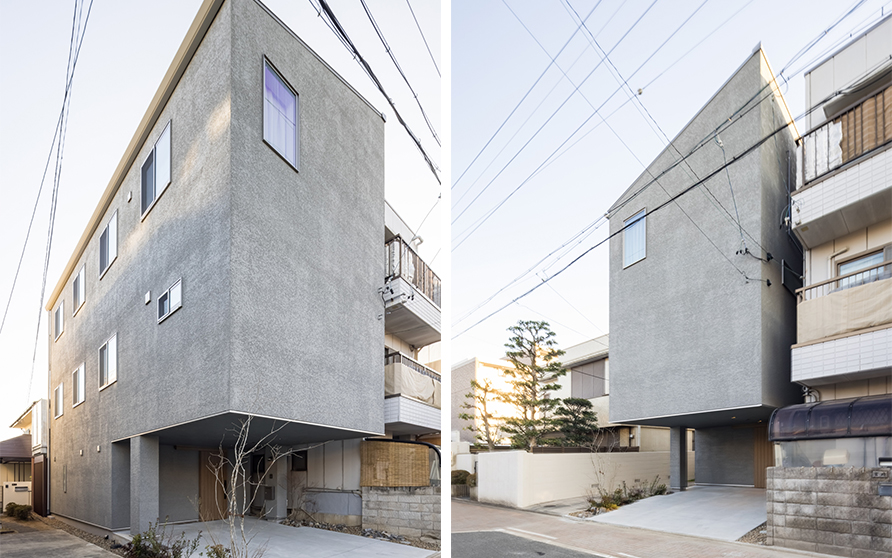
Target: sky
(127,49)
(675,56)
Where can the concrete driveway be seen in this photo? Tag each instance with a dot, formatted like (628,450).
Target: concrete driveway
(282,541)
(49,543)
(716,512)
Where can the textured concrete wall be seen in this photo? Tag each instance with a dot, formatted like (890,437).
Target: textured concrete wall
(409,511)
(178,490)
(688,332)
(833,511)
(725,456)
(176,370)
(306,246)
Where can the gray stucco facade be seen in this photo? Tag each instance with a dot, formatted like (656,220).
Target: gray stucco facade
(279,267)
(698,338)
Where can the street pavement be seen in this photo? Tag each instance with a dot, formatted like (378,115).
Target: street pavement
(562,534)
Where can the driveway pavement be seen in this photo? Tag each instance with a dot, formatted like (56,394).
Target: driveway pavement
(598,539)
(49,543)
(282,541)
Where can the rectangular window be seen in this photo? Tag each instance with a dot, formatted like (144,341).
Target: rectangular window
(170,301)
(280,110)
(108,362)
(77,386)
(156,171)
(79,290)
(57,401)
(634,238)
(108,244)
(59,320)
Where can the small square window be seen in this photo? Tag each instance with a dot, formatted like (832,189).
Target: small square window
(108,362)
(79,289)
(280,110)
(155,175)
(108,244)
(77,386)
(59,319)
(170,301)
(57,401)
(634,238)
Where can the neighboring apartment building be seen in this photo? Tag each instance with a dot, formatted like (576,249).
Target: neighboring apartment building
(842,214)
(700,320)
(233,268)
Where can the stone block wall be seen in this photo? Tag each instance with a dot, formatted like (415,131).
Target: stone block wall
(407,511)
(830,510)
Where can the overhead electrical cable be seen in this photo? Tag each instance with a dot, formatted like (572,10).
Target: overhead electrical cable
(399,69)
(423,38)
(522,99)
(339,30)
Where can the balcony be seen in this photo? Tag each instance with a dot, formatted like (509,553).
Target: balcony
(412,396)
(846,168)
(844,326)
(411,295)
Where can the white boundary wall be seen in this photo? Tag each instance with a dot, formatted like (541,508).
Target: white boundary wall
(520,479)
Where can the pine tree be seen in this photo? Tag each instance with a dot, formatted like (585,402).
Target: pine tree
(481,396)
(576,420)
(531,349)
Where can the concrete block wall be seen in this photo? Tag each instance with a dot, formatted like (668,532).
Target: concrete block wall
(835,511)
(407,511)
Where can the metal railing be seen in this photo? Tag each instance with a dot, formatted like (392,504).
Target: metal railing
(855,279)
(400,358)
(850,135)
(401,261)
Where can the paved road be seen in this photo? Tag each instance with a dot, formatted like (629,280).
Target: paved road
(481,545)
(607,541)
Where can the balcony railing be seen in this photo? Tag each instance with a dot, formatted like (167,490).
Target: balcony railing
(850,135)
(855,279)
(401,261)
(400,358)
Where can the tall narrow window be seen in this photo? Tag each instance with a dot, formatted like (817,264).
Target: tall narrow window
(108,362)
(78,290)
(108,244)
(59,320)
(170,301)
(280,109)
(156,171)
(57,401)
(77,386)
(635,238)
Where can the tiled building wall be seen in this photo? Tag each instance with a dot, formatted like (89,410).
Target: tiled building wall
(407,511)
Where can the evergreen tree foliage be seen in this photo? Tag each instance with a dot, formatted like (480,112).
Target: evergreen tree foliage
(479,406)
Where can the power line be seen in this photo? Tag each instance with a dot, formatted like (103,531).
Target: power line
(400,70)
(423,38)
(339,30)
(522,99)
(624,227)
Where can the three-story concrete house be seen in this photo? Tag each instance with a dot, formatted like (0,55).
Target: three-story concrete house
(233,268)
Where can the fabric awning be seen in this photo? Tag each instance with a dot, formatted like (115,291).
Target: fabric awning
(838,418)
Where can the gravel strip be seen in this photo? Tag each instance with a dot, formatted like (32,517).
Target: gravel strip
(757,536)
(427,543)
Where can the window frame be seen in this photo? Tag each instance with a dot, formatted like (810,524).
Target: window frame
(153,154)
(113,220)
(59,320)
(628,225)
(78,386)
(171,308)
(59,401)
(79,289)
(296,163)
(112,366)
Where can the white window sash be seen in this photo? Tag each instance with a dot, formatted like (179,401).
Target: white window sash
(113,359)
(162,161)
(57,401)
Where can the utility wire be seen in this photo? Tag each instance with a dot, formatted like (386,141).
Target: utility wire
(423,38)
(624,227)
(339,30)
(427,121)
(522,99)
(418,230)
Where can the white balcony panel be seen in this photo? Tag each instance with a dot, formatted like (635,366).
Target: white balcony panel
(403,415)
(410,315)
(849,358)
(854,198)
